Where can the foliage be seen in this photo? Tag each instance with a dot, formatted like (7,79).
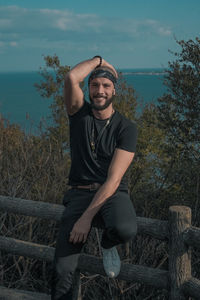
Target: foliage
(179,110)
(52,87)
(149,169)
(125,100)
(179,116)
(31,167)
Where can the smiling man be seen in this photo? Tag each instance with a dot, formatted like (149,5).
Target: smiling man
(102,144)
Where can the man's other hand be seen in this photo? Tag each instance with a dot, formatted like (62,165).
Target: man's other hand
(80,231)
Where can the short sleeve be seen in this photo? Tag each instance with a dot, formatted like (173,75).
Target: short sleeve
(81,112)
(127,137)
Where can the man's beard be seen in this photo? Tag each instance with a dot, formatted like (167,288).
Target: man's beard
(101,107)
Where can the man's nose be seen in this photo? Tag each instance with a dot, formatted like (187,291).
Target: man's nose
(100,89)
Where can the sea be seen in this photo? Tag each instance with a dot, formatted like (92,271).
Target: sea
(21,103)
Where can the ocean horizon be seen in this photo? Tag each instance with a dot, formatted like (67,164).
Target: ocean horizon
(21,103)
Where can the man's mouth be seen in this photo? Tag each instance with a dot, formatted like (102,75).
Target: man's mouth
(99,97)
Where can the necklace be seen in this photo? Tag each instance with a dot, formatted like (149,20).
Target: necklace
(94,142)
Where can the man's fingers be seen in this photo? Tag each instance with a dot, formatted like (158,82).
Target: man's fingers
(81,238)
(72,236)
(79,231)
(105,63)
(84,238)
(77,237)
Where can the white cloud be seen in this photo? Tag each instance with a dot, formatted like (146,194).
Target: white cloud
(5,23)
(47,28)
(2,44)
(164,31)
(154,27)
(13,44)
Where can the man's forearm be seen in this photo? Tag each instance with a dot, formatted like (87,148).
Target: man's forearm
(101,196)
(120,162)
(80,71)
(82,227)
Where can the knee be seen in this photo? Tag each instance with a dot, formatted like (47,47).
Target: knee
(126,232)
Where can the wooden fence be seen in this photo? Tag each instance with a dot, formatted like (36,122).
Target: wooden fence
(177,230)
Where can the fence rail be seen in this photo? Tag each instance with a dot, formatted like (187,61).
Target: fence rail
(177,230)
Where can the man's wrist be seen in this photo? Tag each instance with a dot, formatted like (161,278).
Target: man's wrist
(88,215)
(100,60)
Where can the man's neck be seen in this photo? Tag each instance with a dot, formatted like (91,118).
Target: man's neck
(103,114)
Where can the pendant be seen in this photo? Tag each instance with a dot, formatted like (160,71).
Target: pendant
(92,144)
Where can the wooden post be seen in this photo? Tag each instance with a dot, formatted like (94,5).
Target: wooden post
(179,252)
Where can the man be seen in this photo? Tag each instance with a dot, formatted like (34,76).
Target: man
(102,145)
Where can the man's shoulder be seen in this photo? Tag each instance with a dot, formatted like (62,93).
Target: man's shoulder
(124,121)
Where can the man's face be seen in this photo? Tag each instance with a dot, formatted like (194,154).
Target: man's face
(101,92)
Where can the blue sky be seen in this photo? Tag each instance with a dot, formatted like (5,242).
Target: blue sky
(128,33)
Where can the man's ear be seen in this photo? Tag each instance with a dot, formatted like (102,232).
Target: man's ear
(114,92)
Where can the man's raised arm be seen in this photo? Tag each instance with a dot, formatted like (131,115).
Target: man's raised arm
(73,94)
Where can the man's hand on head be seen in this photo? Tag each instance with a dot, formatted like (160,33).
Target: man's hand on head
(106,64)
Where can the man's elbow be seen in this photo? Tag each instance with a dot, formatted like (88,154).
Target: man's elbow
(72,78)
(69,78)
(114,182)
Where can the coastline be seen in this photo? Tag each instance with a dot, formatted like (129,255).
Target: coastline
(23,104)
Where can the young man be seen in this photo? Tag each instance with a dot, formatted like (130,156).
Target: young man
(102,145)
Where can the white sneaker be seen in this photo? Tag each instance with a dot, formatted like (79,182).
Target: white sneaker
(111,262)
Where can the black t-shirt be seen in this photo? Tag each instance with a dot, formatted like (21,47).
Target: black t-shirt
(86,167)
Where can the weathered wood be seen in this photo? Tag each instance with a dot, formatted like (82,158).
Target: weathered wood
(192,288)
(27,249)
(150,276)
(153,227)
(156,228)
(179,252)
(32,208)
(179,231)
(87,263)
(191,236)
(13,294)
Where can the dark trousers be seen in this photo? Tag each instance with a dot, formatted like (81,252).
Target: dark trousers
(117,217)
